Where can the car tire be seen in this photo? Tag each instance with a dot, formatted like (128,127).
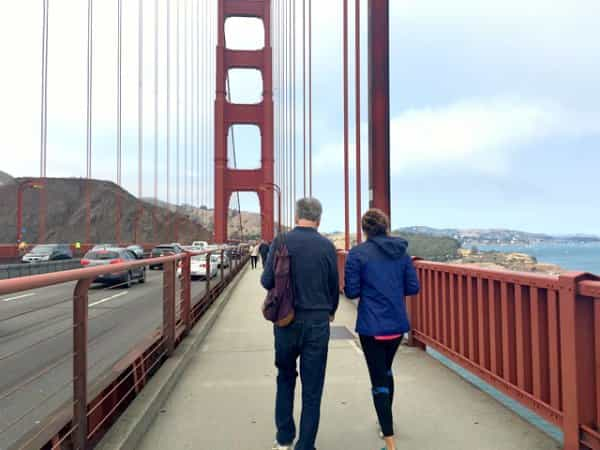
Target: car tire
(128,281)
(143,278)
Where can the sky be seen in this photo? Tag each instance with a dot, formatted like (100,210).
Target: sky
(495,107)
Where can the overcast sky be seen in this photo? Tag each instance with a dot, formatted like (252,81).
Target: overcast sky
(495,106)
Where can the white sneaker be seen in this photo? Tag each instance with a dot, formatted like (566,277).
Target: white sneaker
(277,446)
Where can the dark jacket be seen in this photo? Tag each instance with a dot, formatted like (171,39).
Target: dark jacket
(263,249)
(314,273)
(381,273)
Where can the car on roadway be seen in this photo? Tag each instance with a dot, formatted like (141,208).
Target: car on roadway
(138,250)
(201,244)
(48,252)
(224,261)
(199,269)
(164,250)
(104,246)
(115,255)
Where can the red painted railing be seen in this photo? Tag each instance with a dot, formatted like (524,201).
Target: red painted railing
(534,337)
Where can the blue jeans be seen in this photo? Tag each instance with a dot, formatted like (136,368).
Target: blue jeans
(308,340)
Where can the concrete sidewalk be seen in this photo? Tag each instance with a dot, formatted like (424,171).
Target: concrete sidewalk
(225,399)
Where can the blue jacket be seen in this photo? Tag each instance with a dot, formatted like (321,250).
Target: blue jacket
(381,273)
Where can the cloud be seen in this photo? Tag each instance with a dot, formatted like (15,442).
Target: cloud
(475,134)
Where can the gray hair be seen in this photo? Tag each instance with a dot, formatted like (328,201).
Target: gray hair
(309,209)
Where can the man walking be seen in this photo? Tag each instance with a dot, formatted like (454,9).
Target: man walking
(316,296)
(254,256)
(263,249)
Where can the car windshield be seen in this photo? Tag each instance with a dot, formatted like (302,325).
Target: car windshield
(101,255)
(163,249)
(42,249)
(201,258)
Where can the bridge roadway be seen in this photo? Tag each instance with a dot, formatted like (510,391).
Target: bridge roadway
(225,398)
(118,319)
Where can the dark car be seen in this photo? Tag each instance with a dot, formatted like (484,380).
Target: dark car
(109,256)
(164,250)
(48,252)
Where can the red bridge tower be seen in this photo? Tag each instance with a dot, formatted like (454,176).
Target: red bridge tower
(228,180)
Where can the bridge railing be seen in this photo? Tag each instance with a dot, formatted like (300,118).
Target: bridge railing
(534,337)
(95,403)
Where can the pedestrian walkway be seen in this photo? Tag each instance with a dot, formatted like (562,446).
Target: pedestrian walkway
(225,399)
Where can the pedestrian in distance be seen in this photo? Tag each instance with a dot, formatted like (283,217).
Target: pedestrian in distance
(254,256)
(315,284)
(381,273)
(263,249)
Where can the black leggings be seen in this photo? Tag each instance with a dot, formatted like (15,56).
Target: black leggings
(254,260)
(380,356)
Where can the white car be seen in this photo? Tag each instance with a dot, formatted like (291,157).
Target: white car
(198,267)
(201,244)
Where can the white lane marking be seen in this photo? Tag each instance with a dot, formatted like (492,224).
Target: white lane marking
(18,297)
(108,299)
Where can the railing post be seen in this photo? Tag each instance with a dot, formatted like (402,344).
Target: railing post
(80,326)
(208,277)
(577,347)
(169,306)
(186,292)
(222,265)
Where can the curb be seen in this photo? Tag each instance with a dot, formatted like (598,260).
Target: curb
(129,429)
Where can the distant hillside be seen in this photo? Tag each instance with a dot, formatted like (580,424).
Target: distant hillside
(66,214)
(251,221)
(497,236)
(433,248)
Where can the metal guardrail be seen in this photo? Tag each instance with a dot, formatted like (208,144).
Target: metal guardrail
(96,404)
(23,270)
(534,337)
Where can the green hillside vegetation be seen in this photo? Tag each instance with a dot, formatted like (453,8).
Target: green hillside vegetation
(433,248)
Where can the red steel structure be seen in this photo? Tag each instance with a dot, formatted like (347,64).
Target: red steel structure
(228,180)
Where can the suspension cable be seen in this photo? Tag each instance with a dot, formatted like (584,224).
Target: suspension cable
(192,104)
(90,51)
(304,93)
(358,118)
(185,103)
(168,101)
(310,135)
(155,104)
(119,90)
(44,96)
(346,156)
(178,95)
(198,146)
(294,111)
(140,94)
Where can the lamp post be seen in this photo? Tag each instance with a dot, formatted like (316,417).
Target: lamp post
(275,188)
(32,184)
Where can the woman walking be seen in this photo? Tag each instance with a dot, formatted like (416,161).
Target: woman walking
(381,273)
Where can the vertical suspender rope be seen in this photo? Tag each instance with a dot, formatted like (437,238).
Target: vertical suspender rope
(44,99)
(119,114)
(294,110)
(185,101)
(43,125)
(168,101)
(178,89)
(304,93)
(193,104)
(155,106)
(346,156)
(358,117)
(310,135)
(140,94)
(290,129)
(198,146)
(90,51)
(119,90)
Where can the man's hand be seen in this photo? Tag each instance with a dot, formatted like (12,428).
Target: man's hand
(331,318)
